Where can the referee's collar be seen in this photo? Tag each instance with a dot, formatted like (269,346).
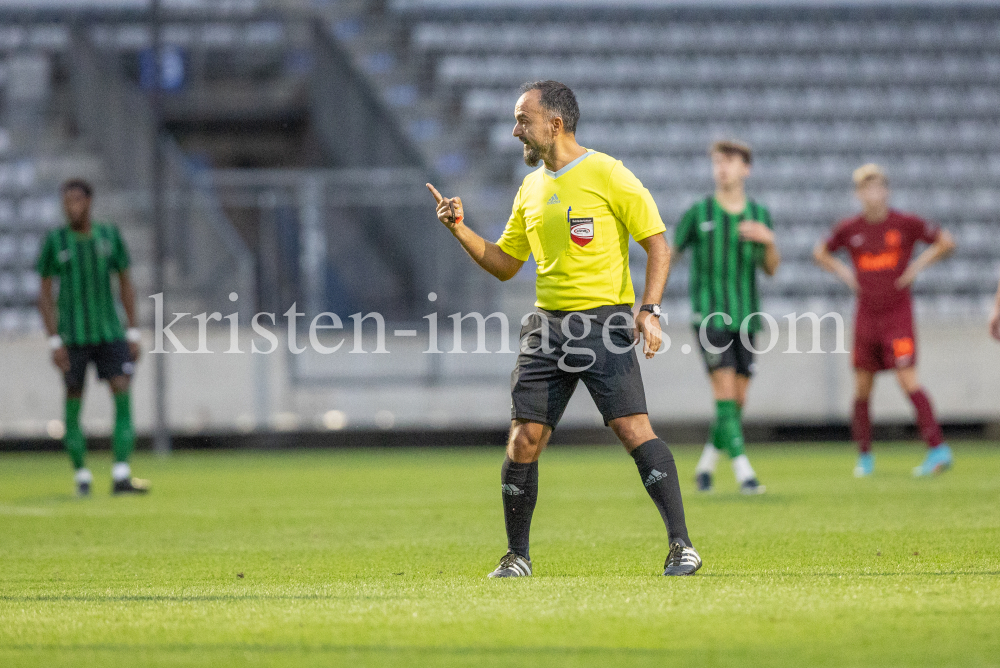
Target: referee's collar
(567,167)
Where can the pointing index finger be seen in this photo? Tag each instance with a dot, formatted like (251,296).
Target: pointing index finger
(437,196)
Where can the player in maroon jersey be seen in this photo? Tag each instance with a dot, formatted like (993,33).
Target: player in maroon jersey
(880,241)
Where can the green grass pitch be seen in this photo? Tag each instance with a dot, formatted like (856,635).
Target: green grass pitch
(378,558)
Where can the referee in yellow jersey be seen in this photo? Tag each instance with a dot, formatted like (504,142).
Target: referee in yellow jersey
(575,214)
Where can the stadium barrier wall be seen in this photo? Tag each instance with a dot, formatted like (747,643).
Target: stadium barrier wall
(222,393)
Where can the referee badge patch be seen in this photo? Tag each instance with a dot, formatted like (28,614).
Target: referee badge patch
(581,230)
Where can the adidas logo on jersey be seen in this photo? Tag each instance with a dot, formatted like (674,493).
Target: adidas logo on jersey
(654,477)
(553,200)
(512,490)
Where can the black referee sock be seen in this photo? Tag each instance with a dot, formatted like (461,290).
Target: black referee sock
(519,485)
(659,475)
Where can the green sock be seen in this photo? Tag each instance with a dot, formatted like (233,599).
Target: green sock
(729,433)
(713,435)
(74,440)
(739,423)
(123,439)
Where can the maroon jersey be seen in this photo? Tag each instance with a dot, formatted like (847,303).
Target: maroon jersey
(881,253)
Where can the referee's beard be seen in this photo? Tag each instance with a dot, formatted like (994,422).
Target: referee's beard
(535,153)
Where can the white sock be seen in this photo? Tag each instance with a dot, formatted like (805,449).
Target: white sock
(83,475)
(742,469)
(709,458)
(121,471)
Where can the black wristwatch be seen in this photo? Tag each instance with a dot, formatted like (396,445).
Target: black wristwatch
(652,308)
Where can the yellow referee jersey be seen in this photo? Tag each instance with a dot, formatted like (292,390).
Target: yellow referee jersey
(576,222)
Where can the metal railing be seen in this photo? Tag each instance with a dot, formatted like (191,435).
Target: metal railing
(335,239)
(206,258)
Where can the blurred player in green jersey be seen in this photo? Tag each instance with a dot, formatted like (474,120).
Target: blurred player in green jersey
(730,236)
(83,327)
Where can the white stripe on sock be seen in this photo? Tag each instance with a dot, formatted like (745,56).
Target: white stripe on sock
(709,459)
(742,469)
(121,471)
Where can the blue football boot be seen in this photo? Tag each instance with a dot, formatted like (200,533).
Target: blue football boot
(865,466)
(938,460)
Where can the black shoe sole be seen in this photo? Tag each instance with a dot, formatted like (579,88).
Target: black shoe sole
(129,488)
(680,575)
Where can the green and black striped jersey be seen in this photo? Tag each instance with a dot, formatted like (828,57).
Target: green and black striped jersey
(723,266)
(83,263)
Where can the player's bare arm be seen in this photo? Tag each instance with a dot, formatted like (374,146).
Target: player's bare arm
(47,309)
(752,230)
(487,254)
(827,261)
(995,317)
(938,250)
(657,269)
(128,304)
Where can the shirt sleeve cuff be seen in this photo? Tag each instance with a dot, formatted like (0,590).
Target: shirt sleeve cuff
(514,254)
(645,234)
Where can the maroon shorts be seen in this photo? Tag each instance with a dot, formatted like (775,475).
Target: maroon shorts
(884,340)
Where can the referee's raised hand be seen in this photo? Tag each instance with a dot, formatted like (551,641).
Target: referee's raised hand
(449,210)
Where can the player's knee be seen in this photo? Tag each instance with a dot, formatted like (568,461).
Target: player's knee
(525,443)
(724,385)
(523,452)
(909,383)
(863,388)
(119,384)
(633,431)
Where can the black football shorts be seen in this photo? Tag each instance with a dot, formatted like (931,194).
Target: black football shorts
(734,356)
(111,359)
(595,346)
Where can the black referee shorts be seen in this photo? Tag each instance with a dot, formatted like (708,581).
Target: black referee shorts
(111,359)
(734,356)
(595,346)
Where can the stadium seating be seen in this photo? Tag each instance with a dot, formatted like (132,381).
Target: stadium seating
(41,145)
(253,85)
(816,93)
(26,204)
